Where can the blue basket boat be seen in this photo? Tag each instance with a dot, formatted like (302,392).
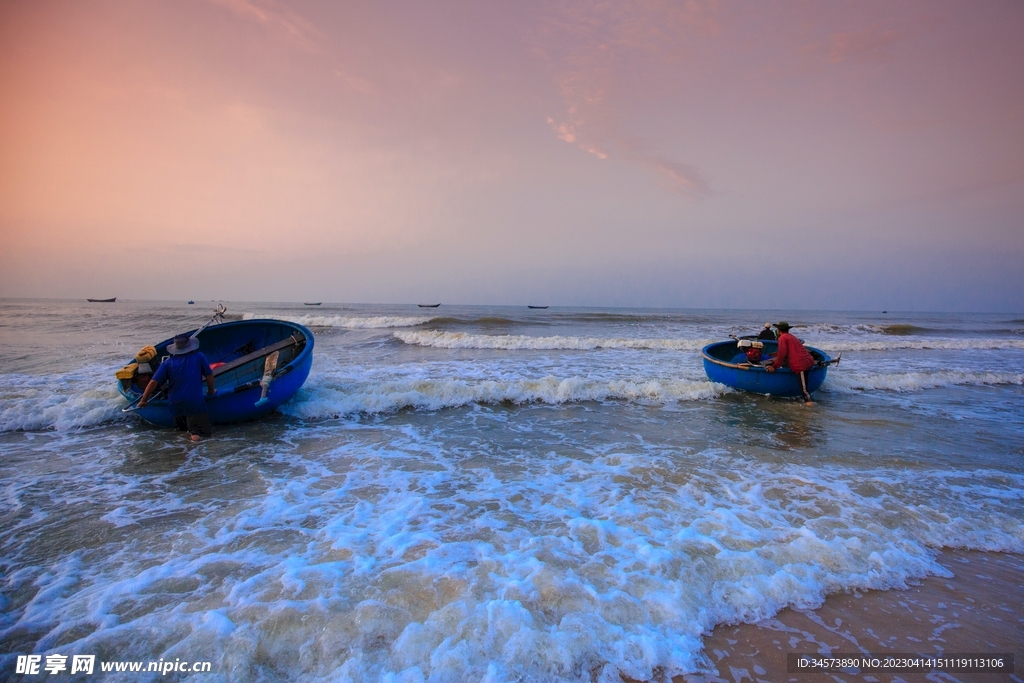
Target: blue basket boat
(237,352)
(726,363)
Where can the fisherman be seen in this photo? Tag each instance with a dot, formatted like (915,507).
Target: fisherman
(766,334)
(793,355)
(183,372)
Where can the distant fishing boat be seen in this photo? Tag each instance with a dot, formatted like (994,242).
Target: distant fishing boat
(428,305)
(241,354)
(102,301)
(191,302)
(306,303)
(726,364)
(528,306)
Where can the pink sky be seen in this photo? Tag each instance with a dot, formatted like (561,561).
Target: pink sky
(861,155)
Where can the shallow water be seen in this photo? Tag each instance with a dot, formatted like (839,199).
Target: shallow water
(472,493)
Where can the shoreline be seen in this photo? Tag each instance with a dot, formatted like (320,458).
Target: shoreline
(978,610)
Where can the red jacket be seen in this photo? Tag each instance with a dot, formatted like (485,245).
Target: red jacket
(792,354)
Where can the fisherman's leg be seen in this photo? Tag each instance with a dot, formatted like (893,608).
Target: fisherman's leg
(199,425)
(181,423)
(803,387)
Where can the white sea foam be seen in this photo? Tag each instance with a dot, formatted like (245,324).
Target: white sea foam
(32,402)
(462,340)
(857,329)
(915,381)
(415,563)
(351,322)
(900,343)
(328,398)
(40,403)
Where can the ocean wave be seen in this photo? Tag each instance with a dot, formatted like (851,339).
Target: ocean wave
(863,329)
(351,322)
(918,344)
(916,381)
(32,403)
(509,342)
(483,321)
(903,330)
(462,340)
(866,331)
(622,317)
(325,398)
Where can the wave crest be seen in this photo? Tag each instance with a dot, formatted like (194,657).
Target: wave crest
(351,322)
(916,381)
(920,345)
(462,340)
(325,399)
(31,403)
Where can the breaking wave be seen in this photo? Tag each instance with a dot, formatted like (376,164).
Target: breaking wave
(916,381)
(351,322)
(510,342)
(36,403)
(903,330)
(328,399)
(31,403)
(919,344)
(462,340)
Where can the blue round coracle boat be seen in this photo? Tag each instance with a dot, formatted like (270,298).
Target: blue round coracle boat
(727,364)
(257,366)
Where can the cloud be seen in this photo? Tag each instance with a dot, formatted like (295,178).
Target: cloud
(685,179)
(866,44)
(282,21)
(593,49)
(357,83)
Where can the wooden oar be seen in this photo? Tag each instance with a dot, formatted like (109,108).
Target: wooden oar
(259,353)
(834,361)
(268,376)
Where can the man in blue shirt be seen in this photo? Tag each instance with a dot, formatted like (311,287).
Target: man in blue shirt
(184,372)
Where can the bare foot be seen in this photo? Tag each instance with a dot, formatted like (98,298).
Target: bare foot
(196,437)
(808,403)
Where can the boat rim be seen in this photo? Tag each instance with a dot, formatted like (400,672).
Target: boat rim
(307,333)
(750,366)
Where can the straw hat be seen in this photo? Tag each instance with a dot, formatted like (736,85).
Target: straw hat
(182,344)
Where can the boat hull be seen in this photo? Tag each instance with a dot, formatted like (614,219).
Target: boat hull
(238,390)
(725,363)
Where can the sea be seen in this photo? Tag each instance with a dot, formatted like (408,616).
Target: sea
(488,493)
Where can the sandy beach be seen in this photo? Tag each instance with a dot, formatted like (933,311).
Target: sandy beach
(977,610)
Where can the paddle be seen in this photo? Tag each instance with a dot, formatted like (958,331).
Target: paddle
(269,366)
(834,361)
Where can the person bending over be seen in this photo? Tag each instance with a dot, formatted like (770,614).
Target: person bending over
(793,355)
(184,372)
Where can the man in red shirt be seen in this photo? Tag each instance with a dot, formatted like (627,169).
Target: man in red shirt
(793,355)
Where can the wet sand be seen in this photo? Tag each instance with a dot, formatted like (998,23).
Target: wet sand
(979,610)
